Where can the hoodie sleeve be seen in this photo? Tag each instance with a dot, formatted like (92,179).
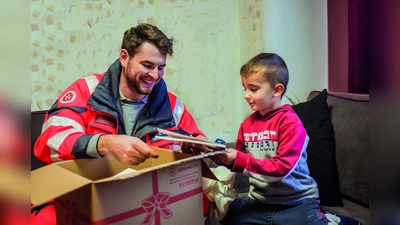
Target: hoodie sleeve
(292,141)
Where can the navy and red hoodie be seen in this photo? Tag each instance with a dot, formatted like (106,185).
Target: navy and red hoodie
(272,152)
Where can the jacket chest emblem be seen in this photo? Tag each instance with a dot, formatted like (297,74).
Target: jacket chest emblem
(105,120)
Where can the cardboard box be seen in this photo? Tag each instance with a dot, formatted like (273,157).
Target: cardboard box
(167,190)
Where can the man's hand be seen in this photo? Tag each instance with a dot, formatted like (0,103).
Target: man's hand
(126,149)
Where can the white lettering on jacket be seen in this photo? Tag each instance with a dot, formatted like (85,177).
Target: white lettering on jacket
(259,136)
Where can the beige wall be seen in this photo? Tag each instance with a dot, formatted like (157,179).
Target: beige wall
(213,38)
(298,32)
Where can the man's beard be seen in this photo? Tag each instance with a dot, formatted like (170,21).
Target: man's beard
(134,82)
(136,85)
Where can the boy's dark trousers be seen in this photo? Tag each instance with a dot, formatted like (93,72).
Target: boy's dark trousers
(250,211)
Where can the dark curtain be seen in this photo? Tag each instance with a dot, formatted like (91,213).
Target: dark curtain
(358,46)
(384,46)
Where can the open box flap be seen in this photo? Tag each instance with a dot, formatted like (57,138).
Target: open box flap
(46,183)
(120,177)
(167,158)
(184,157)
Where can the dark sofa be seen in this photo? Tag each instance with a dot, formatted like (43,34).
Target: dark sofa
(338,151)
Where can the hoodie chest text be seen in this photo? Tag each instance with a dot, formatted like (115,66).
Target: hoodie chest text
(260,136)
(261,144)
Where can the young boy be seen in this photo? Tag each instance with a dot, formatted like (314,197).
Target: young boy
(271,150)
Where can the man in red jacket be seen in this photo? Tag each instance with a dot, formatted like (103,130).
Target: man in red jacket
(116,113)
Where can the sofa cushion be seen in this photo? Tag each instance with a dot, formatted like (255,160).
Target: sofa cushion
(350,119)
(316,119)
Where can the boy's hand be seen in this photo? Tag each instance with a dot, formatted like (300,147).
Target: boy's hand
(194,149)
(225,159)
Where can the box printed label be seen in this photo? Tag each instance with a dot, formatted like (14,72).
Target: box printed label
(185,175)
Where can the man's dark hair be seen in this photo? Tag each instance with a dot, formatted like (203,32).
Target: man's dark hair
(136,36)
(273,67)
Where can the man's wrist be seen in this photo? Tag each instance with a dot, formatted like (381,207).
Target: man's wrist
(102,145)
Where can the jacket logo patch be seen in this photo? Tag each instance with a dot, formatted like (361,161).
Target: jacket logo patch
(105,120)
(68,97)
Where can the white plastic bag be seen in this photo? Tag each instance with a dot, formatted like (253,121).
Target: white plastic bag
(220,192)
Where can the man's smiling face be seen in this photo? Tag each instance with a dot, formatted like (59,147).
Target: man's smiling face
(143,71)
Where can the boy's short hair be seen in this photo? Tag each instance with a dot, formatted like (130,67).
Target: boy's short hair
(273,66)
(134,37)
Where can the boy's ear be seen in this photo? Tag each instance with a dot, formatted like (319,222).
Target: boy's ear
(279,88)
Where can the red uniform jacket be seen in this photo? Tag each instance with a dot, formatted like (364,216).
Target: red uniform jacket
(91,106)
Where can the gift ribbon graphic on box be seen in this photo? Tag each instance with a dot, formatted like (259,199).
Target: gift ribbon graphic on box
(155,206)
(156,203)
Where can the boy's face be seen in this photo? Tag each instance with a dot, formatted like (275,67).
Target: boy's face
(259,93)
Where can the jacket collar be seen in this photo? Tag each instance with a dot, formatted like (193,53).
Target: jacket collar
(106,98)
(106,95)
